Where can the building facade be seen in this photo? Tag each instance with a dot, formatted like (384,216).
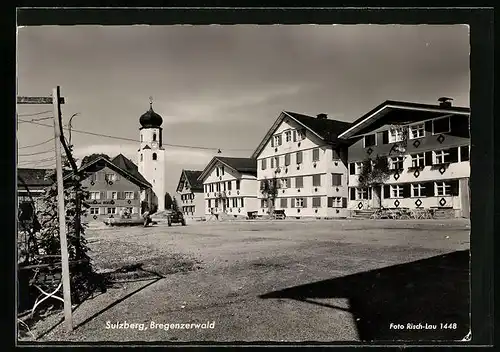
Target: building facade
(230,186)
(190,190)
(151,156)
(306,161)
(427,149)
(114,186)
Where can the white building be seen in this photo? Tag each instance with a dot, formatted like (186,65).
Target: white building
(310,164)
(230,186)
(151,156)
(428,149)
(190,190)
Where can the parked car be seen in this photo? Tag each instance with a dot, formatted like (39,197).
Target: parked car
(176,217)
(279,214)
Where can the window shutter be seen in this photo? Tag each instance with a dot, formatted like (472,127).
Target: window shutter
(428,127)
(272,163)
(330,202)
(369,193)
(277,161)
(292,202)
(242,203)
(263,161)
(280,141)
(454,187)
(406,190)
(429,189)
(287,159)
(344,202)
(299,157)
(295,136)
(103,195)
(272,142)
(353,193)
(387,191)
(305,202)
(385,137)
(428,158)
(352,169)
(453,157)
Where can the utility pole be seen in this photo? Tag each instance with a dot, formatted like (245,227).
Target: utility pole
(68,319)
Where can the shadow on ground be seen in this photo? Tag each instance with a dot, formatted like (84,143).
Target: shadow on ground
(432,291)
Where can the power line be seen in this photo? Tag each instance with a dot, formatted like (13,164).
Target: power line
(40,119)
(35,114)
(37,160)
(30,154)
(137,141)
(36,145)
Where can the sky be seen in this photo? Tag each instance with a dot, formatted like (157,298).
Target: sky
(222,87)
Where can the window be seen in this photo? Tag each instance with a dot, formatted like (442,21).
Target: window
(223,186)
(141,157)
(441,156)
(299,157)
(237,184)
(464,153)
(316,202)
(369,140)
(113,195)
(209,203)
(288,136)
(277,160)
(336,179)
(359,167)
(396,162)
(222,170)
(335,202)
(272,163)
(217,202)
(395,135)
(263,161)
(315,154)
(299,182)
(263,203)
(110,177)
(285,183)
(361,193)
(277,140)
(417,131)
(217,187)
(287,159)
(418,190)
(396,191)
(441,125)
(229,185)
(111,210)
(129,195)
(283,203)
(154,137)
(242,202)
(442,188)
(302,134)
(299,202)
(94,211)
(217,171)
(211,187)
(235,202)
(95,195)
(417,160)
(155,157)
(316,180)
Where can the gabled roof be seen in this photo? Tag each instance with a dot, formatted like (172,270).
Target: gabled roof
(241,165)
(127,170)
(191,176)
(391,105)
(325,129)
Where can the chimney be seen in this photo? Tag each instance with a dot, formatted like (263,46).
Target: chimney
(322,116)
(445,102)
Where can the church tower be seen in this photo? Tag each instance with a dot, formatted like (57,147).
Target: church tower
(152,154)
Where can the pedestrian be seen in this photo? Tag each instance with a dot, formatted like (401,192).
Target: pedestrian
(146,217)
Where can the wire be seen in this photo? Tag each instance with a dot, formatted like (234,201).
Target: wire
(36,145)
(40,119)
(35,114)
(30,154)
(137,141)
(37,160)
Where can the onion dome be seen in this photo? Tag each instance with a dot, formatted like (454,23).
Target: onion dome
(150,119)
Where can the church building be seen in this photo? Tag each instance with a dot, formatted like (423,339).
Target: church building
(151,156)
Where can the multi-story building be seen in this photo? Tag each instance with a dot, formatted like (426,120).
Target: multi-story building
(190,190)
(230,186)
(113,185)
(428,149)
(304,157)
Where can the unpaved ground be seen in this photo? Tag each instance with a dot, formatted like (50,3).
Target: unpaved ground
(248,281)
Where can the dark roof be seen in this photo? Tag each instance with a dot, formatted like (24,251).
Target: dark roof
(327,129)
(150,119)
(146,147)
(128,165)
(406,105)
(243,165)
(35,177)
(192,178)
